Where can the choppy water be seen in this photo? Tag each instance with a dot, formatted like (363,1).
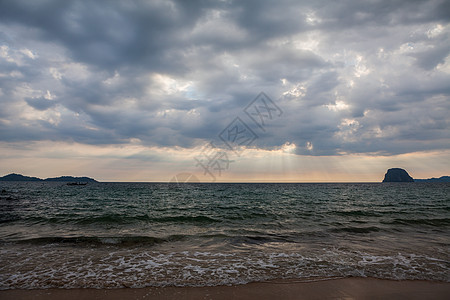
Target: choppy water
(149,234)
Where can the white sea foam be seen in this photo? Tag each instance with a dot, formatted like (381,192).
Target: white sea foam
(109,267)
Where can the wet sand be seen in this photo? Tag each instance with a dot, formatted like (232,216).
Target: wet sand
(348,288)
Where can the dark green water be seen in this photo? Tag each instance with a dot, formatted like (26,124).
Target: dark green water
(150,234)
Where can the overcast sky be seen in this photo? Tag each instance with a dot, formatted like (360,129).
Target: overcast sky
(134,90)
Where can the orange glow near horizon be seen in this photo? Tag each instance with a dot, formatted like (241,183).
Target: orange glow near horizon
(137,163)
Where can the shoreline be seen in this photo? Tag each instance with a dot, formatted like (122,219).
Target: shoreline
(345,288)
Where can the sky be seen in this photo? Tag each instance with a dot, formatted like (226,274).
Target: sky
(297,91)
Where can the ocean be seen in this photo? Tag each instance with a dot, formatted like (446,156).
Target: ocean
(115,235)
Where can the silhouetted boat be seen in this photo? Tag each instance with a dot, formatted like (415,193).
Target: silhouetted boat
(76,183)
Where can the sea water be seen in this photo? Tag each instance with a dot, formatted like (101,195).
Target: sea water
(112,235)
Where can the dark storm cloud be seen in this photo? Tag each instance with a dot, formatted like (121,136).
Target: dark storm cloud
(351,76)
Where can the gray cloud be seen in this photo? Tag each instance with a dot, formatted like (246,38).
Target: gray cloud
(351,76)
(428,60)
(40,103)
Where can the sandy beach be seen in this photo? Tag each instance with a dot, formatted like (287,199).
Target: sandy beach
(348,288)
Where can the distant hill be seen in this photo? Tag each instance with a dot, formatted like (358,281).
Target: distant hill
(19,177)
(440,179)
(71,179)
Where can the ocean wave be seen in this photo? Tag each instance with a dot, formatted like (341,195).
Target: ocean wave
(61,267)
(438,222)
(110,219)
(352,229)
(358,213)
(88,241)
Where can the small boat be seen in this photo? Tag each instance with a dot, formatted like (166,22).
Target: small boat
(76,183)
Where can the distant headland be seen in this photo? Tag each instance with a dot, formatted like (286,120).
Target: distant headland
(20,177)
(400,175)
(440,179)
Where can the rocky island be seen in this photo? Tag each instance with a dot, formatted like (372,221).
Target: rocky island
(397,175)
